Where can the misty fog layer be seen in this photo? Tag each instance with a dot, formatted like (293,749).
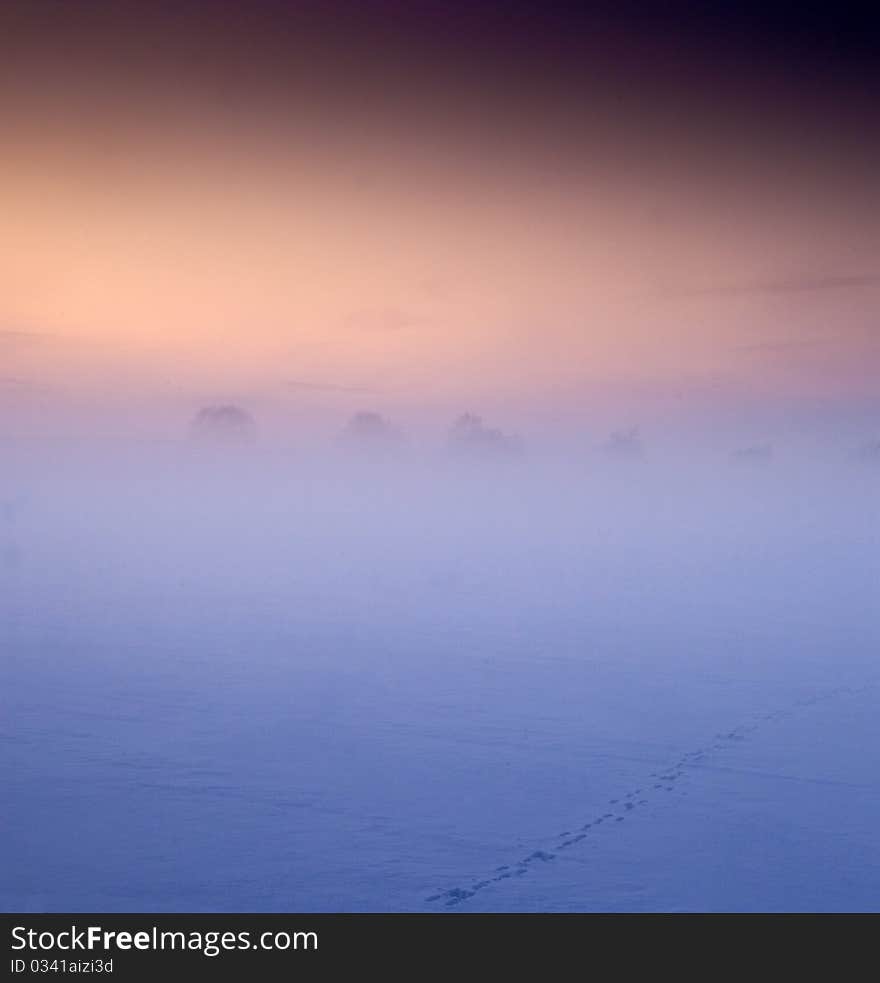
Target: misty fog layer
(239,678)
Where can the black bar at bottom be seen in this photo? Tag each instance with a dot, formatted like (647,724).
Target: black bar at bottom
(558,946)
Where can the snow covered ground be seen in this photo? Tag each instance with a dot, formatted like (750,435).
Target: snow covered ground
(616,688)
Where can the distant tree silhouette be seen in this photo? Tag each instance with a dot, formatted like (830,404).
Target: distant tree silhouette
(10,554)
(869,453)
(368,429)
(625,444)
(224,424)
(10,551)
(469,436)
(11,508)
(755,454)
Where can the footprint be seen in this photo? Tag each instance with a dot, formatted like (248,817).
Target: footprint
(456,896)
(538,855)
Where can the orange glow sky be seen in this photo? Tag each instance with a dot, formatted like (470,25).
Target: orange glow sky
(294,248)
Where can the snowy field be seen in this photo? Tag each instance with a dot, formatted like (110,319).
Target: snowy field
(514,686)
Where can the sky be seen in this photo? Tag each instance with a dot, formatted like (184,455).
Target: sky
(552,216)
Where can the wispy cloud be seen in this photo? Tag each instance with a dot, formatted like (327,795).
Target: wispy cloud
(14,384)
(793,347)
(19,337)
(330,387)
(790,347)
(386,319)
(801,283)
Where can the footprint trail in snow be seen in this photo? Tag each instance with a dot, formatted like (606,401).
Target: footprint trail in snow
(629,802)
